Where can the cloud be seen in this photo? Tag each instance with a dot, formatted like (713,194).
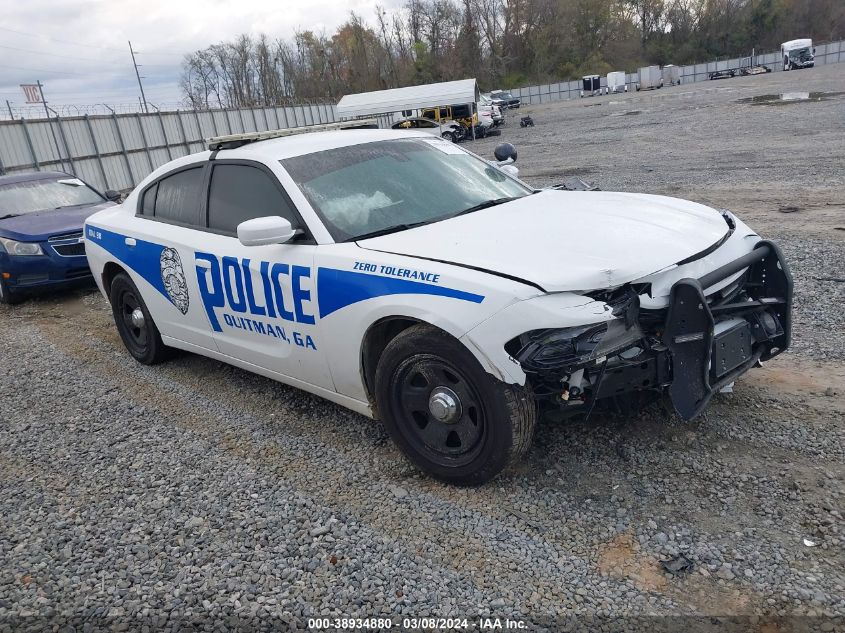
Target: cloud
(79,49)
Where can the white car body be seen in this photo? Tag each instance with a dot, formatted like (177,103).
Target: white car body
(483,278)
(486,105)
(431,127)
(485,117)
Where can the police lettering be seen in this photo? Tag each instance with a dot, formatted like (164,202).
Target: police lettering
(228,283)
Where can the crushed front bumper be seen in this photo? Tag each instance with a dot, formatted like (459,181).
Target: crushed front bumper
(698,345)
(712,345)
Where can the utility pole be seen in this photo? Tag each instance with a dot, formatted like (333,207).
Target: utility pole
(50,122)
(140,85)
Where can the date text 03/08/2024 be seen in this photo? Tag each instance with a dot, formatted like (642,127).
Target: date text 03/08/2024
(418,624)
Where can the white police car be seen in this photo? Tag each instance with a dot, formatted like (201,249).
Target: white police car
(407,279)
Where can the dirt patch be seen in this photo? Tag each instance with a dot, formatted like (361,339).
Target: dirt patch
(621,558)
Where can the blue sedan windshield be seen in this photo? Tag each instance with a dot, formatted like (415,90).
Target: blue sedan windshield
(39,195)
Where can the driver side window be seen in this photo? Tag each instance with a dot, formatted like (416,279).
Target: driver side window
(241,192)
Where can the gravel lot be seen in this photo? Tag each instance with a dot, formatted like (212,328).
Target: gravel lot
(194,492)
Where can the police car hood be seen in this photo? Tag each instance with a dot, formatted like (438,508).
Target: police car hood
(567,240)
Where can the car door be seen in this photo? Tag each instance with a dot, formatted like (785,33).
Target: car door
(157,248)
(260,300)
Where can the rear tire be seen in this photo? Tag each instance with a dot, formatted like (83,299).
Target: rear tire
(134,323)
(450,417)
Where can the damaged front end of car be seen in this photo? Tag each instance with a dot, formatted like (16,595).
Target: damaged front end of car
(697,345)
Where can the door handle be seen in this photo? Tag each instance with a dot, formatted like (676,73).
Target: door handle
(130,241)
(204,263)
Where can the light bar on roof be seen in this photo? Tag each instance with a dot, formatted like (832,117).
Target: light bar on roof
(232,141)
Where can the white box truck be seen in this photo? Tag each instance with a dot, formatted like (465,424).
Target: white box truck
(650,78)
(798,54)
(616,82)
(671,75)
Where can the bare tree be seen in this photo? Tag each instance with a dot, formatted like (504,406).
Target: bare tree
(500,42)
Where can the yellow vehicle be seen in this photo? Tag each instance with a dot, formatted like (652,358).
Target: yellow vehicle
(463,114)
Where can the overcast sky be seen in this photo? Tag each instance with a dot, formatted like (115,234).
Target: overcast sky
(79,50)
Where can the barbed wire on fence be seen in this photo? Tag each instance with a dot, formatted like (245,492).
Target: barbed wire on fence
(36,111)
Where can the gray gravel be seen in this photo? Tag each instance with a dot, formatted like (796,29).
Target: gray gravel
(194,492)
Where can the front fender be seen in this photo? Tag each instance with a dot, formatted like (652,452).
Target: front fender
(562,309)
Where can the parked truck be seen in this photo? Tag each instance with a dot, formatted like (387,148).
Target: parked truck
(650,78)
(798,54)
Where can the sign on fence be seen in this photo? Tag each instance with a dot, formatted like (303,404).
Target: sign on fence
(32,92)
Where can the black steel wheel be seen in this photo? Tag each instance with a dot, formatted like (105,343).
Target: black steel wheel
(134,323)
(442,410)
(449,416)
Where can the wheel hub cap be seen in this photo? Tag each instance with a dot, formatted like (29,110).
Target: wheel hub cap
(137,318)
(444,405)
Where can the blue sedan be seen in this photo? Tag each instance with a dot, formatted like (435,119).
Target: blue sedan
(41,244)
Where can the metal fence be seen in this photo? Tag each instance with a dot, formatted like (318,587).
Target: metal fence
(117,151)
(831,53)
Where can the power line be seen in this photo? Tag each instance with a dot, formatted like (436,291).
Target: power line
(87,59)
(28,50)
(104,48)
(41,70)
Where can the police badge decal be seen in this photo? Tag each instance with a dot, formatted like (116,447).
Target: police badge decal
(174,280)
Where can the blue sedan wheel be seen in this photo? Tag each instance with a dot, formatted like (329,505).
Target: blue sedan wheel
(6,295)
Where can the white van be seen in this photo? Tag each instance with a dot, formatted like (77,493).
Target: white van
(798,54)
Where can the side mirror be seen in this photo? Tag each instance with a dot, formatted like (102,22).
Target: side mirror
(112,195)
(504,152)
(814,50)
(272,229)
(511,170)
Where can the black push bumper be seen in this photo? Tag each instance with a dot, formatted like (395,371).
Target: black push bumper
(713,344)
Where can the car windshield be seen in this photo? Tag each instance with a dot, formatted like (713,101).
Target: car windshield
(363,189)
(503,95)
(39,195)
(798,53)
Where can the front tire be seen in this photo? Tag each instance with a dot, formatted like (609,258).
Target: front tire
(450,417)
(448,136)
(7,297)
(134,323)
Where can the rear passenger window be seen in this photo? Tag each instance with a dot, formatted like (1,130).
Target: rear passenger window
(178,197)
(239,193)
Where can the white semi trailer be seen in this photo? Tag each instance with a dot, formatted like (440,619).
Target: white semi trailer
(798,54)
